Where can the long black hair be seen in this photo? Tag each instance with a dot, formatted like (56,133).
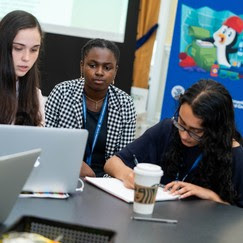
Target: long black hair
(211,103)
(22,108)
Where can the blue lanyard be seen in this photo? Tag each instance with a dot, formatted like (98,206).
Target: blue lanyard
(195,164)
(98,126)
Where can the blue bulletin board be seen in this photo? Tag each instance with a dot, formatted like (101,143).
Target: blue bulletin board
(207,43)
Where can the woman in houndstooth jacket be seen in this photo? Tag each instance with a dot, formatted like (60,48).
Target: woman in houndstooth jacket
(94,103)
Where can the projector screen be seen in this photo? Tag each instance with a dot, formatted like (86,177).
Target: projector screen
(83,18)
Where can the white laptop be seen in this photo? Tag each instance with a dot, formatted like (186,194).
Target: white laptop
(14,171)
(58,167)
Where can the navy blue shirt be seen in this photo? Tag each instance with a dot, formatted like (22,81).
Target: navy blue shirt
(98,156)
(151,148)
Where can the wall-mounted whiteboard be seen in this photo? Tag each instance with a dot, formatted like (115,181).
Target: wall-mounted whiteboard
(82,18)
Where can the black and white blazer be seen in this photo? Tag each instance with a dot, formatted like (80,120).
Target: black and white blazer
(64,109)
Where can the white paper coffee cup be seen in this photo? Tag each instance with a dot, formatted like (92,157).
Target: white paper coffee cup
(147,178)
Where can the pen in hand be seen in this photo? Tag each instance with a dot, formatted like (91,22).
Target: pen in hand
(135,160)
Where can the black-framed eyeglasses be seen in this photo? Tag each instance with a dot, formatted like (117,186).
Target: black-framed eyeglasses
(182,128)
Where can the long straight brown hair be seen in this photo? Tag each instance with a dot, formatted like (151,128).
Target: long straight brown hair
(21,109)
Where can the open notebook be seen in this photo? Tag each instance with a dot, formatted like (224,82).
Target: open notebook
(116,188)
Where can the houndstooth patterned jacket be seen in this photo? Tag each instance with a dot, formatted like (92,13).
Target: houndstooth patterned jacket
(64,109)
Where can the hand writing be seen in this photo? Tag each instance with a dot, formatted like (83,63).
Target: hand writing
(128,180)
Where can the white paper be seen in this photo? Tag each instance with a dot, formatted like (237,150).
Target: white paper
(117,189)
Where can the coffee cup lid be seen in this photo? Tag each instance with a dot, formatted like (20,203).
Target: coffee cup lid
(147,168)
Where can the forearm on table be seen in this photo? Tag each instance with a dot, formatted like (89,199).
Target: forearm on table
(116,168)
(215,197)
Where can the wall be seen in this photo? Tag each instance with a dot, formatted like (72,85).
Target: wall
(61,55)
(159,63)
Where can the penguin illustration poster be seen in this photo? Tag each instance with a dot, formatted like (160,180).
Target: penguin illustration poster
(211,41)
(207,43)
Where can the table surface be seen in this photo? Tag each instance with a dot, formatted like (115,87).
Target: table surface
(198,220)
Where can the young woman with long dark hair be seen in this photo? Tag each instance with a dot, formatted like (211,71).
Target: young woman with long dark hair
(199,148)
(21,101)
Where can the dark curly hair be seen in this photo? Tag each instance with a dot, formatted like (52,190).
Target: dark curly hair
(212,103)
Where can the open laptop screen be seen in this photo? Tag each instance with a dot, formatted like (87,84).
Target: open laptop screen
(58,167)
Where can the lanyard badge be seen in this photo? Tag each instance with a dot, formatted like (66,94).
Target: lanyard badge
(98,126)
(195,164)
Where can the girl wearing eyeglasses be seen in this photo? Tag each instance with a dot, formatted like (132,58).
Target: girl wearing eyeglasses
(199,148)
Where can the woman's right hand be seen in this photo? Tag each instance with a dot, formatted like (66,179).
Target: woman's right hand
(128,179)
(116,168)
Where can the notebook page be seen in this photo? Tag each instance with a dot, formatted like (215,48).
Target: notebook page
(116,188)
